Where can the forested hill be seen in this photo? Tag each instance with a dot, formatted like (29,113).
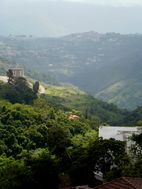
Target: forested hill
(43,146)
(69,98)
(50,140)
(105,65)
(66,98)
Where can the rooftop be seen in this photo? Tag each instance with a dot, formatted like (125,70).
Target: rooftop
(122,183)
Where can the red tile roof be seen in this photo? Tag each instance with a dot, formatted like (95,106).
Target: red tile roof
(79,187)
(74,117)
(122,183)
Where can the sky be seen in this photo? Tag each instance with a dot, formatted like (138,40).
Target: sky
(49,18)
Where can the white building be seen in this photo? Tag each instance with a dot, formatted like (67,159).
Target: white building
(18,72)
(118,133)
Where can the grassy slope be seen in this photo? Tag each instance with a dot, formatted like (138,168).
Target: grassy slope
(124,93)
(71,98)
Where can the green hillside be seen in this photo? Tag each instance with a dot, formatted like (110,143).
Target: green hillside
(4,66)
(68,98)
(124,93)
(41,146)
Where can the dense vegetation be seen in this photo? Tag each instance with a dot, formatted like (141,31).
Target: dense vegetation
(71,99)
(68,98)
(18,91)
(35,141)
(42,147)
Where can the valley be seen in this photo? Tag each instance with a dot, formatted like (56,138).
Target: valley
(107,66)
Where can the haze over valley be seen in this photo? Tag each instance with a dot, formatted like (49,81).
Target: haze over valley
(107,66)
(50,18)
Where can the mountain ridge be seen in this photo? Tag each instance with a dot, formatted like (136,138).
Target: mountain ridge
(94,62)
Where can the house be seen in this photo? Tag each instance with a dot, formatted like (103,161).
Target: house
(73,117)
(79,187)
(119,183)
(18,72)
(118,133)
(122,183)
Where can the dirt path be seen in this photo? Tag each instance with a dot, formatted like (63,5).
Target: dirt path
(42,89)
(3,78)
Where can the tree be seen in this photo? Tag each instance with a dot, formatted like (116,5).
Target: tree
(36,87)
(43,170)
(104,155)
(100,156)
(20,83)
(25,92)
(137,147)
(10,76)
(58,140)
(11,173)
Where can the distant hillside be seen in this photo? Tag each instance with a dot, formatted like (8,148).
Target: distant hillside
(70,98)
(7,64)
(4,66)
(65,97)
(124,93)
(107,66)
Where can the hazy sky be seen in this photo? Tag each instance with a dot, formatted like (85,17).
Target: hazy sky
(61,17)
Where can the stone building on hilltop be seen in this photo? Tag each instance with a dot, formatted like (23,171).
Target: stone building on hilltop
(18,72)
